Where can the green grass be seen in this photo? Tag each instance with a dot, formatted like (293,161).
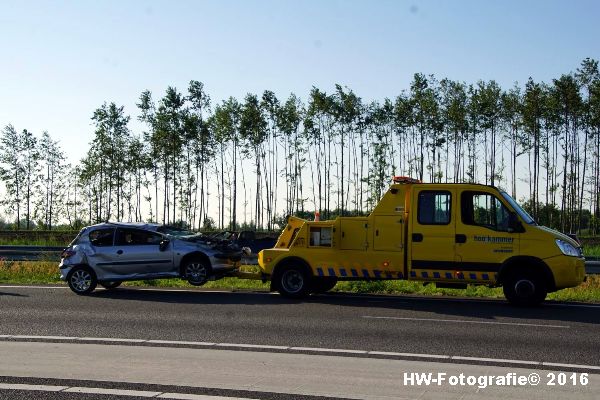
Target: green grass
(416,287)
(16,272)
(28,272)
(593,251)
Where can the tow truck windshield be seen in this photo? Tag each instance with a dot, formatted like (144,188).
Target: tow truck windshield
(522,213)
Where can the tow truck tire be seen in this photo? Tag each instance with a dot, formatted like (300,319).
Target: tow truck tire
(196,272)
(109,285)
(82,280)
(524,288)
(323,284)
(293,281)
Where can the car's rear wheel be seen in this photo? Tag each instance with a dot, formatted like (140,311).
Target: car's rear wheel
(196,272)
(82,280)
(524,288)
(110,284)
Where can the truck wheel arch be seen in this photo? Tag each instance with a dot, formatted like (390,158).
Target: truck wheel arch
(530,263)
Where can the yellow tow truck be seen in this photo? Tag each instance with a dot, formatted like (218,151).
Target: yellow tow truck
(449,234)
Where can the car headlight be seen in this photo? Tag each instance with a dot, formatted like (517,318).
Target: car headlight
(567,248)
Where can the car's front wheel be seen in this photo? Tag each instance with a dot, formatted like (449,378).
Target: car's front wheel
(196,272)
(82,280)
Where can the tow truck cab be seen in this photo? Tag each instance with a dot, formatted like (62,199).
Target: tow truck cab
(450,234)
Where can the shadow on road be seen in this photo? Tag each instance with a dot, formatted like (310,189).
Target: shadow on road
(439,307)
(13,294)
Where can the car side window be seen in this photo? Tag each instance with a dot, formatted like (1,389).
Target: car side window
(434,207)
(102,237)
(484,209)
(136,237)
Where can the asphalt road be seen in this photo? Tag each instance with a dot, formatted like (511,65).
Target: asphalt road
(559,333)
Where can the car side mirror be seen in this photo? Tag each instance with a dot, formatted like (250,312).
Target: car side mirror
(164,244)
(514,224)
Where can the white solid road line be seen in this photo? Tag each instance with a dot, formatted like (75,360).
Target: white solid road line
(233,346)
(252,346)
(319,349)
(41,388)
(524,362)
(113,392)
(466,321)
(31,287)
(42,337)
(549,364)
(185,396)
(416,355)
(181,342)
(121,340)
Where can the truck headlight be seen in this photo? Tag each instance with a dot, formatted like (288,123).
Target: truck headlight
(567,248)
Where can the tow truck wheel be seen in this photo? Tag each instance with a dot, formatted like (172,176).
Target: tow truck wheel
(524,289)
(82,280)
(196,272)
(293,282)
(322,285)
(110,284)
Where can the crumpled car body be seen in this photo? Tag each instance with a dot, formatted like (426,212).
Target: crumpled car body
(134,251)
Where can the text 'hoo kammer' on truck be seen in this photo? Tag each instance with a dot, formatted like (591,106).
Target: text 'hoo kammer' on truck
(449,234)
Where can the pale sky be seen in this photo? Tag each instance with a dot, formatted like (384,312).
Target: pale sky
(62,59)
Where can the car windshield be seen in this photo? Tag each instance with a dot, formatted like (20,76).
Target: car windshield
(522,213)
(176,232)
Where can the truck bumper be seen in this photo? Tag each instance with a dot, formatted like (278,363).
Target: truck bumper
(567,271)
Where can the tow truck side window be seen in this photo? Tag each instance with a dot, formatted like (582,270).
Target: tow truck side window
(434,207)
(484,209)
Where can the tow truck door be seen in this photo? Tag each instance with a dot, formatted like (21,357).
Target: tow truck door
(432,233)
(486,239)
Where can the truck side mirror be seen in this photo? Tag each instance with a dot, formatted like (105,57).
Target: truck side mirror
(164,244)
(514,224)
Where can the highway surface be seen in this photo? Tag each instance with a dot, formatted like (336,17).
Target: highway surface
(248,338)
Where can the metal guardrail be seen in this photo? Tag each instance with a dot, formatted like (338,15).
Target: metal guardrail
(50,253)
(592,267)
(30,253)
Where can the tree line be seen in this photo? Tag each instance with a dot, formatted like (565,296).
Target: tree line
(251,161)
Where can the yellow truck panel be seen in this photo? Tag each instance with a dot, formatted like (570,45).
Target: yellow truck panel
(353,234)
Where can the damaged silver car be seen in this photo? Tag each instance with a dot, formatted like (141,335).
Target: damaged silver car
(110,253)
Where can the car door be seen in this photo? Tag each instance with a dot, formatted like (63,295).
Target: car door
(486,238)
(102,253)
(432,235)
(139,254)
